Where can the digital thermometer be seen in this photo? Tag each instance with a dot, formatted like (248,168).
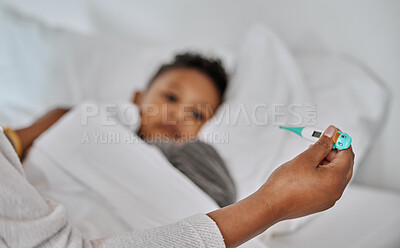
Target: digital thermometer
(342,140)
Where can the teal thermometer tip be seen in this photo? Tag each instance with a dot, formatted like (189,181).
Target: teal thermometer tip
(294,129)
(342,140)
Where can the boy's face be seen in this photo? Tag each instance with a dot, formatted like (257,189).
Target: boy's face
(176,105)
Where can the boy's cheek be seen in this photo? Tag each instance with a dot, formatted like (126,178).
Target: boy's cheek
(149,119)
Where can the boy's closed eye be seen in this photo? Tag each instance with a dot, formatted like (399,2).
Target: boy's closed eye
(170,97)
(197,115)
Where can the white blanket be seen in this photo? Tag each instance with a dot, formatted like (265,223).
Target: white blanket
(107,177)
(134,177)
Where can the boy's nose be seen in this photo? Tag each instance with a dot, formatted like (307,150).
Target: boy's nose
(174,114)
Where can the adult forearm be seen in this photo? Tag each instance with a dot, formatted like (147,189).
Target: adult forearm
(247,218)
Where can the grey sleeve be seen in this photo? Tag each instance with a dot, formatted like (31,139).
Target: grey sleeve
(29,220)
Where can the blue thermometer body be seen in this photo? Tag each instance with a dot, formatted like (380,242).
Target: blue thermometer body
(342,140)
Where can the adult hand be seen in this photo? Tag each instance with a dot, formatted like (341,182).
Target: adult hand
(311,182)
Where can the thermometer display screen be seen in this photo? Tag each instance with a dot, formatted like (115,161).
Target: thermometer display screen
(316,134)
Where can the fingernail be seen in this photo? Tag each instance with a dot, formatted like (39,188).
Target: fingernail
(330,131)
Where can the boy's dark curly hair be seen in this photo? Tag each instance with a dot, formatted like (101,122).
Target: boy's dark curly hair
(212,67)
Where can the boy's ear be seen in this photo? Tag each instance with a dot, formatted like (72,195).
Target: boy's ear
(137,97)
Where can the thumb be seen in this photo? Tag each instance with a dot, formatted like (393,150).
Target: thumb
(317,152)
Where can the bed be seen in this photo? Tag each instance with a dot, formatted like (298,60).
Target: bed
(65,65)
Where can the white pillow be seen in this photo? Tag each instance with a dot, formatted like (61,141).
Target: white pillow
(71,15)
(37,66)
(266,79)
(349,96)
(44,67)
(267,73)
(114,68)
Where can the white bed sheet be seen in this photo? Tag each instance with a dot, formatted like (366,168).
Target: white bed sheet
(105,169)
(365,217)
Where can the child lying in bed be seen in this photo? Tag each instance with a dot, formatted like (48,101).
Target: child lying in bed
(179,99)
